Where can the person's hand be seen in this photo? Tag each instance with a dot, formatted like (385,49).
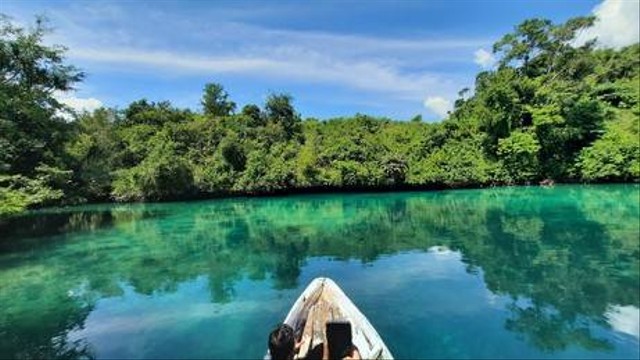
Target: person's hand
(353,355)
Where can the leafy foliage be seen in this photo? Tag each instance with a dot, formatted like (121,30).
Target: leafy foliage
(161,175)
(18,192)
(519,153)
(615,156)
(93,152)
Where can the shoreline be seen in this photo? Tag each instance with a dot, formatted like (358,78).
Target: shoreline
(321,190)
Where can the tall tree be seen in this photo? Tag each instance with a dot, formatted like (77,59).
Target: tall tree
(279,109)
(537,46)
(31,128)
(215,101)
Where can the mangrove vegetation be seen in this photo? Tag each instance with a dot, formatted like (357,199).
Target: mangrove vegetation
(551,109)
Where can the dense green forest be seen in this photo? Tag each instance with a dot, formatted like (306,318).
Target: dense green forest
(549,110)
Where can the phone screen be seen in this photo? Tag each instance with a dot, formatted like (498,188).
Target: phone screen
(338,338)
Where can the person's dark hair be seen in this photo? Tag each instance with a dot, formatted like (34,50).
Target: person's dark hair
(281,343)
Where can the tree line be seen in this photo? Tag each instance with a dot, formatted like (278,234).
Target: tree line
(550,109)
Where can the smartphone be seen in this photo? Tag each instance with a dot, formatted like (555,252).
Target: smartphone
(338,338)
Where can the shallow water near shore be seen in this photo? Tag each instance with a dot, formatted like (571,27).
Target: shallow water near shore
(522,272)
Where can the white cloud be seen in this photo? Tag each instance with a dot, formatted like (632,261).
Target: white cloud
(241,36)
(291,63)
(617,24)
(82,104)
(393,66)
(438,105)
(625,319)
(78,104)
(396,68)
(483,58)
(172,61)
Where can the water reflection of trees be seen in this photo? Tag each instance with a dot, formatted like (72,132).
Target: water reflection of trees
(560,248)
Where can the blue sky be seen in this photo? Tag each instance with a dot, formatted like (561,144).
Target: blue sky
(395,59)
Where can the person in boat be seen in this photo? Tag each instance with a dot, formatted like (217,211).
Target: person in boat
(284,346)
(282,343)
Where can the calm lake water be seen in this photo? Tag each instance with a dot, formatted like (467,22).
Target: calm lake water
(496,273)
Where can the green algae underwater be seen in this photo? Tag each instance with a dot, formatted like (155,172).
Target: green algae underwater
(524,272)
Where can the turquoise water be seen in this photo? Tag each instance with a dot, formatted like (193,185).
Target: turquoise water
(495,273)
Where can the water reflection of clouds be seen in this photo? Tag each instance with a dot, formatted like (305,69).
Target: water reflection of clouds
(437,280)
(625,319)
(138,323)
(438,263)
(443,252)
